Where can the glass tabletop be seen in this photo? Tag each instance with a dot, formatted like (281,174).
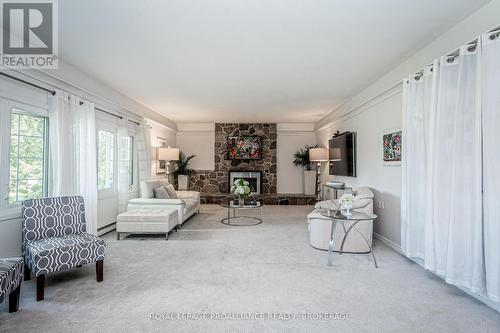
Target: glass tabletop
(248,204)
(341,215)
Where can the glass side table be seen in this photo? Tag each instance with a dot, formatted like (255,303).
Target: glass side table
(239,220)
(337,217)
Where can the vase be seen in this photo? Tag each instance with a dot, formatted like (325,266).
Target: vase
(347,208)
(309,182)
(241,201)
(183,181)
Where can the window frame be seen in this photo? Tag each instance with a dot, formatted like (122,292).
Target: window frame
(131,172)
(45,159)
(113,189)
(7,107)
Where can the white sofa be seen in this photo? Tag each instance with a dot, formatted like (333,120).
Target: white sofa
(187,204)
(320,226)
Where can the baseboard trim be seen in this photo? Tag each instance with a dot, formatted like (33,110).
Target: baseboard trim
(389,243)
(107,229)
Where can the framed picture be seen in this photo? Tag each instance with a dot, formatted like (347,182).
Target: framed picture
(391,146)
(244,148)
(161,166)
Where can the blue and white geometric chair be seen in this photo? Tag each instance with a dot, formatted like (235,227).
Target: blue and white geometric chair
(11,276)
(54,239)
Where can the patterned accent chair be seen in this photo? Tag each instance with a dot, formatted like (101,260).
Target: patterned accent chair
(11,276)
(55,238)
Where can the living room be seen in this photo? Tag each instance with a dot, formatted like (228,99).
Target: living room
(249,166)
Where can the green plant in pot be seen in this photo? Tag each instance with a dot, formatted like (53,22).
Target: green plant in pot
(183,170)
(301,159)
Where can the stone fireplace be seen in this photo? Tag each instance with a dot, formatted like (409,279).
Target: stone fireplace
(250,176)
(217,182)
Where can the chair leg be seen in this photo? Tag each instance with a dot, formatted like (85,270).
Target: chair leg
(14,299)
(99,268)
(27,273)
(40,287)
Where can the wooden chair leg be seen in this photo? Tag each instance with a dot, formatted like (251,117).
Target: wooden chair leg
(27,273)
(99,268)
(14,299)
(40,287)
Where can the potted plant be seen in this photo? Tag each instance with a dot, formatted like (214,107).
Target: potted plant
(242,189)
(182,171)
(301,159)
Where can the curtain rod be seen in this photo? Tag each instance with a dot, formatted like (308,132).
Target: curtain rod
(495,33)
(113,114)
(52,92)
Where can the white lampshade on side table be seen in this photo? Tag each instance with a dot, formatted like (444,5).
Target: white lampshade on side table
(168,154)
(318,155)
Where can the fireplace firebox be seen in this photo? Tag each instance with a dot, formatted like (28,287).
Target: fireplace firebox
(253,177)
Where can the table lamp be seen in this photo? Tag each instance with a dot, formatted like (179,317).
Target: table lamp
(168,154)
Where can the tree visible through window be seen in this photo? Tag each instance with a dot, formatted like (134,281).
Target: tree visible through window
(28,156)
(106,158)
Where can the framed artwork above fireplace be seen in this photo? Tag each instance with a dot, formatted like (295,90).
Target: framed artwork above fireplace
(244,148)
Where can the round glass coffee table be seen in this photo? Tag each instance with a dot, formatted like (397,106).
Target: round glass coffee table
(337,216)
(235,219)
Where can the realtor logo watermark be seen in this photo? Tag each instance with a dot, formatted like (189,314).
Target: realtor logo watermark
(29,37)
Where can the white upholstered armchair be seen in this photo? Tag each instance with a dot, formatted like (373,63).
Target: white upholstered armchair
(320,226)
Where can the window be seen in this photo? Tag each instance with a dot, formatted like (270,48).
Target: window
(28,157)
(106,158)
(128,148)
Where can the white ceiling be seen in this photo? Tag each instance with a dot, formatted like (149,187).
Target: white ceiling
(247,61)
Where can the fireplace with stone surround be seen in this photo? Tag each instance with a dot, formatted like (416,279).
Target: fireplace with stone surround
(252,177)
(215,185)
(217,182)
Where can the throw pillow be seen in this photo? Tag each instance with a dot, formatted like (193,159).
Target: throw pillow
(171,191)
(161,193)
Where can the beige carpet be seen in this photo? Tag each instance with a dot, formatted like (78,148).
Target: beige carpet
(229,274)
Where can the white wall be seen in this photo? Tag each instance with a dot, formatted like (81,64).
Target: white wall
(378,107)
(292,137)
(166,133)
(199,140)
(383,113)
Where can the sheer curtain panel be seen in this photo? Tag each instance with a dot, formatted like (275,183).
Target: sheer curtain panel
(73,153)
(451,167)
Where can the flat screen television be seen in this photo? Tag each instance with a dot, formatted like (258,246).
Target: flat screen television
(343,147)
(244,148)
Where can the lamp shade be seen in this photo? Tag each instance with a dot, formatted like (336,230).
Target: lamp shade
(168,154)
(335,154)
(318,154)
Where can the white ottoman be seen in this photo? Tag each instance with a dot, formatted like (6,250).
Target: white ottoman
(147,221)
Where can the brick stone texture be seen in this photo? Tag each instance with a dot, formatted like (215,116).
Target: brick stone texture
(216,182)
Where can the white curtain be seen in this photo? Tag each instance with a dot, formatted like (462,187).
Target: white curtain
(450,125)
(73,156)
(490,72)
(143,138)
(123,164)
